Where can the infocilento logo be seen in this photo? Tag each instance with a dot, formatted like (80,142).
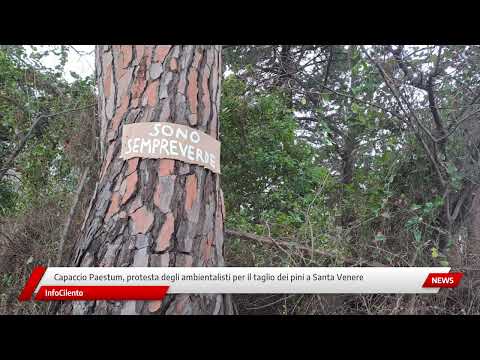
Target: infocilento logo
(89,292)
(146,283)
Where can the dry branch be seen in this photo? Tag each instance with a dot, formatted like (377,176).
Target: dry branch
(305,249)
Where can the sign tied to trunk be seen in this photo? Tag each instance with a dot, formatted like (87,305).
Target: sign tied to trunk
(158,140)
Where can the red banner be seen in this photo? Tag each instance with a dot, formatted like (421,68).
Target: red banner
(442,280)
(47,293)
(32,283)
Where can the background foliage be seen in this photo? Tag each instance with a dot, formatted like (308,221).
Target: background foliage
(35,193)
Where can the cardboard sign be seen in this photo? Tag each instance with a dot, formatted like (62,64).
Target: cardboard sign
(158,140)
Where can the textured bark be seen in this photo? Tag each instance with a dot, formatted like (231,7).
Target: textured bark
(149,212)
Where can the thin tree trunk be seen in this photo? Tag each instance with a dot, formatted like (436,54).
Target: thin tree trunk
(149,212)
(473,245)
(71,213)
(348,167)
(348,160)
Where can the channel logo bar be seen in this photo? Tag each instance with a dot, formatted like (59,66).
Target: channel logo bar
(147,283)
(88,293)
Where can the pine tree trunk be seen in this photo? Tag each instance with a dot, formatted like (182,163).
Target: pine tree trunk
(149,212)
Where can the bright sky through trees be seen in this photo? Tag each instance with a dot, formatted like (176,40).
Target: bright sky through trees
(81,59)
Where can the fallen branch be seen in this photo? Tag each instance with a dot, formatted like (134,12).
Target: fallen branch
(305,249)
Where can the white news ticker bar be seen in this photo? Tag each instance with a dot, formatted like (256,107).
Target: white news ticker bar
(252,280)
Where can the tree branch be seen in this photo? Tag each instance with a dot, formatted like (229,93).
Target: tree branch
(305,249)
(29,134)
(410,114)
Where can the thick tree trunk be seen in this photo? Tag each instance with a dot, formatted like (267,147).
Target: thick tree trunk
(149,212)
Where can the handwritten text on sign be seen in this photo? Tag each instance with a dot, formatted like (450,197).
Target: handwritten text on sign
(160,140)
